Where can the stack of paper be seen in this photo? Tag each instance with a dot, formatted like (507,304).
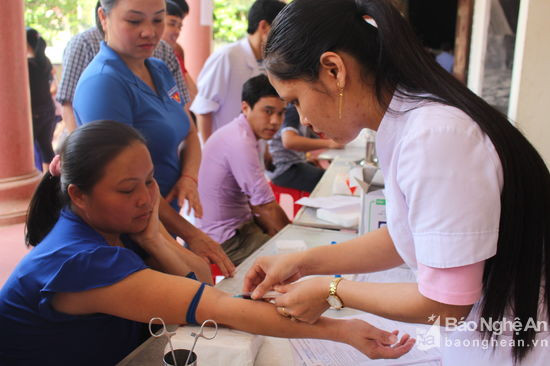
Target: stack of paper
(340,210)
(229,348)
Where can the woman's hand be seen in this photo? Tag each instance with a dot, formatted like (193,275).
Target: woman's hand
(373,342)
(267,272)
(211,252)
(186,189)
(151,234)
(304,300)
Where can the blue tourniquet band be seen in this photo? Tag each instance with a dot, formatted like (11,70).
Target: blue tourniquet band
(192,309)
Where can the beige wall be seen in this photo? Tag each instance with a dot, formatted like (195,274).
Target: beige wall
(530,92)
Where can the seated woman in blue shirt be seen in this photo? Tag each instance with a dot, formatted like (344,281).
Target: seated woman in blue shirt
(103,266)
(124,83)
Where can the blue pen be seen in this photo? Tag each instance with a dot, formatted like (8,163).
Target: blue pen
(332,243)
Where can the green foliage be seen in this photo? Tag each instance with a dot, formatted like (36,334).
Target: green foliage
(230,20)
(58,20)
(53,18)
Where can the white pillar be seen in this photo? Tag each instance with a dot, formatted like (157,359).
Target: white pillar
(478,45)
(530,89)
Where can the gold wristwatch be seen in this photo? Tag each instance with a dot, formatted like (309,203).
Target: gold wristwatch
(333,300)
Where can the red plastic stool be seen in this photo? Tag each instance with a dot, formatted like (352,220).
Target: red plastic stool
(294,193)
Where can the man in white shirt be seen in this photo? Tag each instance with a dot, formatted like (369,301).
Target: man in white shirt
(221,80)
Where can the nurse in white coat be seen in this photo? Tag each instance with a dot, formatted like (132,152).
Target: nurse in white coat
(468,197)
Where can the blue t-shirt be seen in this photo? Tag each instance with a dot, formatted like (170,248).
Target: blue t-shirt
(72,257)
(108,89)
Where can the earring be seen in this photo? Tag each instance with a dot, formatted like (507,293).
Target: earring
(340,99)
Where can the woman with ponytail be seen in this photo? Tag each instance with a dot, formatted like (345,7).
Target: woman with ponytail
(468,197)
(43,108)
(103,265)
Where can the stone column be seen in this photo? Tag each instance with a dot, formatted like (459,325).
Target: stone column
(18,176)
(196,37)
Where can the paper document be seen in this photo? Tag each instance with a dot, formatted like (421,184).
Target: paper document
(347,216)
(315,352)
(330,202)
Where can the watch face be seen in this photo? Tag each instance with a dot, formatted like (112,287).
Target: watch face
(334,302)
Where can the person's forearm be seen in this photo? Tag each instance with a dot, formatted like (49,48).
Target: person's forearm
(164,258)
(398,301)
(189,259)
(296,142)
(198,241)
(371,252)
(270,217)
(68,117)
(176,224)
(191,154)
(261,318)
(191,86)
(204,124)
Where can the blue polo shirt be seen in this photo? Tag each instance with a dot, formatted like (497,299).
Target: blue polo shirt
(108,89)
(73,257)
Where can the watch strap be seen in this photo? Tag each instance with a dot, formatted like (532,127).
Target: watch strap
(334,287)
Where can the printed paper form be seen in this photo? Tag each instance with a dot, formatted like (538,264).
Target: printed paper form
(315,352)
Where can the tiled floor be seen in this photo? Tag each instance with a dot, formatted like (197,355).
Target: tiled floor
(12,249)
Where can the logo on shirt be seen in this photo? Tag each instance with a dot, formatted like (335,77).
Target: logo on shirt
(174,94)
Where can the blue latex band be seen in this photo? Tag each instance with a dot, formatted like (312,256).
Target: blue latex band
(192,276)
(192,309)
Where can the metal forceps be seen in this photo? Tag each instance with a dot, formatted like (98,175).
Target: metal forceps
(164,333)
(201,334)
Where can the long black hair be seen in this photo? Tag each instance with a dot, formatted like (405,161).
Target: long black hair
(389,51)
(38,45)
(84,155)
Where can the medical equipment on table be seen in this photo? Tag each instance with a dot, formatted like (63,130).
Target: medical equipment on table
(267,295)
(164,332)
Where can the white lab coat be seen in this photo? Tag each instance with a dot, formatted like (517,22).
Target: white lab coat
(443,180)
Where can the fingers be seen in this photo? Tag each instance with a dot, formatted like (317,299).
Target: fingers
(215,254)
(403,340)
(171,195)
(227,263)
(197,207)
(263,287)
(193,200)
(282,310)
(224,263)
(396,351)
(253,278)
(282,288)
(156,199)
(383,337)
